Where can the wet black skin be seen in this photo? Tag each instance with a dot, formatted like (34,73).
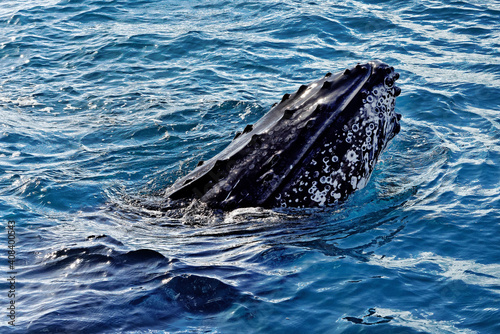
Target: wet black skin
(263,165)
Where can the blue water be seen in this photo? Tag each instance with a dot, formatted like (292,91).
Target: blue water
(103,102)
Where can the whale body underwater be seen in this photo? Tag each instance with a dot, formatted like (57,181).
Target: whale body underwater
(314,148)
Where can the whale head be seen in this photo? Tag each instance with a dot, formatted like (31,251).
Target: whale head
(356,123)
(313,148)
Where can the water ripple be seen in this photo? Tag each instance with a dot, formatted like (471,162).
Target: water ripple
(105,103)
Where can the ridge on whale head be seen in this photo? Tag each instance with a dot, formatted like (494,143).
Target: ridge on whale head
(314,148)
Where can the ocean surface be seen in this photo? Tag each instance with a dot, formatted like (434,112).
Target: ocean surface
(106,102)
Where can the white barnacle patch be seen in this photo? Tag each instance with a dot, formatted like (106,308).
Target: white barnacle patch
(326,164)
(354,182)
(335,195)
(319,197)
(351,156)
(362,182)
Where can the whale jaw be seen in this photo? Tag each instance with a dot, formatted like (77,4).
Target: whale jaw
(313,148)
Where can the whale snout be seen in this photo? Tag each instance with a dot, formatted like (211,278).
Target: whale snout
(385,76)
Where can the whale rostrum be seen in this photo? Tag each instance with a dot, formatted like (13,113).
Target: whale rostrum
(314,148)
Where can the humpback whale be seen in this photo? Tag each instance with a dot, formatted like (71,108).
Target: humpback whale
(313,148)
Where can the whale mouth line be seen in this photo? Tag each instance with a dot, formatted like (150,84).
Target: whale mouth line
(313,148)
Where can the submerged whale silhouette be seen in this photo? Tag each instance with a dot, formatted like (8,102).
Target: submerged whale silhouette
(314,148)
